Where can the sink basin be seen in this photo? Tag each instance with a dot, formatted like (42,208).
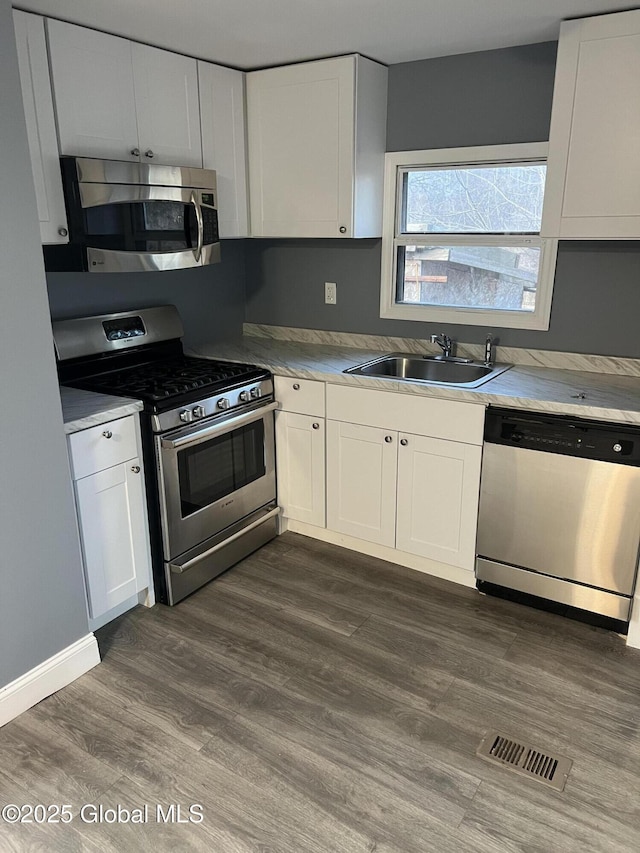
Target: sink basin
(458,372)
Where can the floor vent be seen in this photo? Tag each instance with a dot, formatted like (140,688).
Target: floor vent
(551,770)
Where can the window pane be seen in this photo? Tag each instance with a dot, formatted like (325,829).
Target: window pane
(476,200)
(502,278)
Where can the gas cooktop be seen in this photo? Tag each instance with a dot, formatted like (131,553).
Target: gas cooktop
(167,380)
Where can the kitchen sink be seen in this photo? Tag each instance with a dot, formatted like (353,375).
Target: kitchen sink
(442,370)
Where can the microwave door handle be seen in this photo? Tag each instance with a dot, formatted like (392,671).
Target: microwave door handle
(198,250)
(209,432)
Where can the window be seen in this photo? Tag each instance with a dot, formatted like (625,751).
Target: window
(461,237)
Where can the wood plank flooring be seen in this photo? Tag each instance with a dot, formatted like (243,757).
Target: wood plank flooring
(313,700)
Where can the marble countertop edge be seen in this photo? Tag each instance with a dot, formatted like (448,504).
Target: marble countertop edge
(84,409)
(606,397)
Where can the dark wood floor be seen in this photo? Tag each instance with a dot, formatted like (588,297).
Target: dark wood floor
(314,700)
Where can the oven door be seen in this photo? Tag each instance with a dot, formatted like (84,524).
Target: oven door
(213,475)
(133,228)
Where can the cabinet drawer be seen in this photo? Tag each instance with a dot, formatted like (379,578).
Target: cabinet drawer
(302,396)
(428,416)
(102,446)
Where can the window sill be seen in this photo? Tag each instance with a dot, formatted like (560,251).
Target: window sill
(466,316)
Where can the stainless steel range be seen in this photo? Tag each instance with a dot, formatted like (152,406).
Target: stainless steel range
(208,439)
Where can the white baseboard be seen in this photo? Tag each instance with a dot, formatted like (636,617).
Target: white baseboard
(402,558)
(48,677)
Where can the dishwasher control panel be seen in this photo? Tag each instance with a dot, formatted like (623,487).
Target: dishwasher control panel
(567,435)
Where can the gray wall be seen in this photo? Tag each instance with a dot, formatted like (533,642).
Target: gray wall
(42,607)
(492,97)
(596,300)
(487,98)
(210,299)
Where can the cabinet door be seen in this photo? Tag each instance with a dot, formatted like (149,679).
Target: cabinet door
(300,122)
(438,488)
(224,146)
(593,179)
(361,481)
(92,79)
(41,126)
(167,106)
(113,530)
(301,467)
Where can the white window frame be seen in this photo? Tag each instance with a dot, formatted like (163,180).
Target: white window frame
(395,162)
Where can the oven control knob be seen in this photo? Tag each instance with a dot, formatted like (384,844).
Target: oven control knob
(255,393)
(198,412)
(186,416)
(222,403)
(243,396)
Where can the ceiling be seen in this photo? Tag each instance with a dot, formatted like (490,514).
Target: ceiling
(256,33)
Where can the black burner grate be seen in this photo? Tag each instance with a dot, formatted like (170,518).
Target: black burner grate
(164,380)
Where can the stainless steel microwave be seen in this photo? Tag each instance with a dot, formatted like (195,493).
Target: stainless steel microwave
(136,217)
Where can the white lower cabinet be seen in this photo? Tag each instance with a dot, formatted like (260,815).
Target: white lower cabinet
(437,495)
(415,493)
(300,450)
(409,492)
(361,481)
(402,472)
(301,467)
(112,515)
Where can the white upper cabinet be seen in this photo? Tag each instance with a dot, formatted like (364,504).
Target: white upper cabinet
(316,140)
(593,179)
(122,100)
(167,106)
(93,86)
(224,147)
(41,127)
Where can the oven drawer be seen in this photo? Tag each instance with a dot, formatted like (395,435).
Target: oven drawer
(301,396)
(102,446)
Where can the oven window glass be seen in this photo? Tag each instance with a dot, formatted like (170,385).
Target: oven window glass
(142,226)
(217,468)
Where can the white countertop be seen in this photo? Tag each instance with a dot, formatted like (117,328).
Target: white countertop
(607,397)
(83,409)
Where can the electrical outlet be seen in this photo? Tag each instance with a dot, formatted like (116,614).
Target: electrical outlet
(330,295)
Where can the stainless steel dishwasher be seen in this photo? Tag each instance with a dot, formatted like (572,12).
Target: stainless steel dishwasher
(560,510)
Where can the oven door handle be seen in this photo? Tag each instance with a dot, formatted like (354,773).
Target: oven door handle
(218,429)
(178,569)
(198,250)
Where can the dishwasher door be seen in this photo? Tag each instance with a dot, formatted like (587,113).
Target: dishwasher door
(571,518)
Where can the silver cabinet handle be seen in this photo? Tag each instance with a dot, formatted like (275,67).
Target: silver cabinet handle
(388,439)
(107,433)
(343,229)
(135,152)
(315,426)
(148,153)
(135,469)
(296,386)
(404,442)
(62,232)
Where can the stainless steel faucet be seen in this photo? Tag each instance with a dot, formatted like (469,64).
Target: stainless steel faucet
(444,342)
(488,351)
